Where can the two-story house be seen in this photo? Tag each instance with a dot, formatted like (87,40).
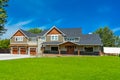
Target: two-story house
(56,41)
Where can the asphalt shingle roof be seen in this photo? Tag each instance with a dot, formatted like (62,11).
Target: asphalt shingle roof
(90,39)
(69,32)
(28,34)
(51,43)
(72,32)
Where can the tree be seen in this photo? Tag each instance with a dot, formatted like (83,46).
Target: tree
(35,30)
(117,41)
(107,36)
(4,44)
(3,15)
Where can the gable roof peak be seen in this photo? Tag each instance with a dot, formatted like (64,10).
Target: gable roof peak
(53,28)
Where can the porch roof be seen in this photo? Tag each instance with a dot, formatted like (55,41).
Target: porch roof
(51,43)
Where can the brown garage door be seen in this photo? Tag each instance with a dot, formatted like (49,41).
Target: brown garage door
(15,51)
(32,51)
(22,50)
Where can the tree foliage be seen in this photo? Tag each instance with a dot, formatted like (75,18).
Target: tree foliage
(35,30)
(4,44)
(107,37)
(3,15)
(117,41)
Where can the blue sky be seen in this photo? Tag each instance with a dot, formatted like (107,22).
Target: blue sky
(86,14)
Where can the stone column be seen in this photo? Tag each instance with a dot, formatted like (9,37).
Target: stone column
(78,51)
(39,47)
(11,50)
(59,50)
(18,50)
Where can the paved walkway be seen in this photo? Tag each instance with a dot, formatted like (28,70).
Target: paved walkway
(12,56)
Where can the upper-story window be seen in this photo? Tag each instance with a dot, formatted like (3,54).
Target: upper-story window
(18,38)
(54,37)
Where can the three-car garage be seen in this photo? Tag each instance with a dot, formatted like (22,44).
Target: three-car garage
(24,50)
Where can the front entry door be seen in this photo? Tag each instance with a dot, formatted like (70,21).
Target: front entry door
(70,49)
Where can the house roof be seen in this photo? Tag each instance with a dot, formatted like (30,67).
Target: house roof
(90,39)
(28,34)
(72,32)
(69,32)
(42,33)
(51,43)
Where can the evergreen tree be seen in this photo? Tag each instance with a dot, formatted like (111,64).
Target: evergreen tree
(3,15)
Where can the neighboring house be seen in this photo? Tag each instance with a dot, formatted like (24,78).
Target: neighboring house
(55,41)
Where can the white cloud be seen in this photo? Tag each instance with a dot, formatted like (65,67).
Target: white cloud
(12,28)
(116,29)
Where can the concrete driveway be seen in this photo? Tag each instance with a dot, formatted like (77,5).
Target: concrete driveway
(12,56)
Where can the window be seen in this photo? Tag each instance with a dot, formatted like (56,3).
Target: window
(89,49)
(54,37)
(54,48)
(18,38)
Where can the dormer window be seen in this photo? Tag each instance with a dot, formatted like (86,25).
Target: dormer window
(18,38)
(54,37)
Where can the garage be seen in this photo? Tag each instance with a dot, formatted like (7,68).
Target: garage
(15,51)
(32,51)
(22,50)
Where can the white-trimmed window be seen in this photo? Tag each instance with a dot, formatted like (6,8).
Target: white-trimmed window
(18,38)
(54,37)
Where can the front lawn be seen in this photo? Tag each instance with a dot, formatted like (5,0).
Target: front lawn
(62,68)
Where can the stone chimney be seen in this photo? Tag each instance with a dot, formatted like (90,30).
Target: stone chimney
(39,54)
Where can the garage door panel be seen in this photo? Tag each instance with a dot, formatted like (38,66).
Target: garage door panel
(15,51)
(22,50)
(32,51)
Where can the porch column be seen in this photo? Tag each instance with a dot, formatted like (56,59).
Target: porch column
(42,50)
(28,50)
(11,50)
(39,47)
(78,51)
(18,50)
(59,50)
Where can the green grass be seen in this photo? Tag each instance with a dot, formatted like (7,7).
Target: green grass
(61,68)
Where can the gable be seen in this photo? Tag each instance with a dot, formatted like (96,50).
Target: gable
(69,44)
(18,33)
(54,31)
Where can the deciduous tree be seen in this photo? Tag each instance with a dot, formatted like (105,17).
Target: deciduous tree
(107,36)
(35,30)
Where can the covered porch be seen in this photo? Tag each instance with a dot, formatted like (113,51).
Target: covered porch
(70,48)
